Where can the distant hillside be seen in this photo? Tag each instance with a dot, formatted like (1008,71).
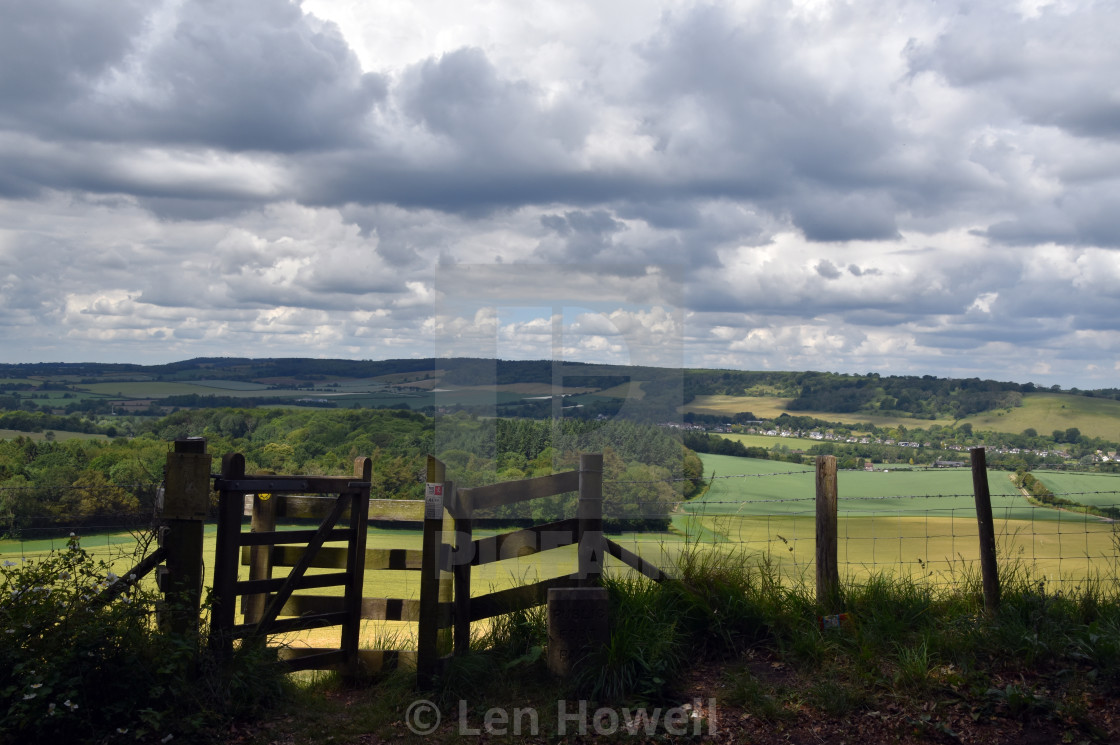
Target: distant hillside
(515,388)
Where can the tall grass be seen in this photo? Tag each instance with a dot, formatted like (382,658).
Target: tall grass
(901,636)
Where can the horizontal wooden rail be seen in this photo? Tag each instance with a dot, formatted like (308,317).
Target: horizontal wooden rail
(373,609)
(511,492)
(291,484)
(272,537)
(634,561)
(305,507)
(315,659)
(517,598)
(306,582)
(524,542)
(131,577)
(288,625)
(332,557)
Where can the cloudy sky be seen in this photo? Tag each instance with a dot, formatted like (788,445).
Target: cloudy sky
(908,187)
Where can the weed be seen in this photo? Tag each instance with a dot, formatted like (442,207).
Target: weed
(745,690)
(837,699)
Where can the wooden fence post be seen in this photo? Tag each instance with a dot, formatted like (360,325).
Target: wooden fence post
(231,507)
(589,514)
(427,632)
(464,536)
(355,566)
(988,567)
(186,502)
(260,557)
(828,570)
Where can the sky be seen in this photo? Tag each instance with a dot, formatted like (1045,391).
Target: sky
(891,186)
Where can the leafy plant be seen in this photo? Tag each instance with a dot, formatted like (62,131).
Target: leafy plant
(74,667)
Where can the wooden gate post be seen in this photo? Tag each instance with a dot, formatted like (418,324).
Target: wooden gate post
(231,506)
(355,567)
(186,502)
(988,567)
(828,570)
(434,589)
(589,513)
(464,537)
(260,557)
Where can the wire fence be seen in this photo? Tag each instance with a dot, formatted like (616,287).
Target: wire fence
(930,535)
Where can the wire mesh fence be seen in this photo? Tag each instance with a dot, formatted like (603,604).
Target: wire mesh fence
(931,533)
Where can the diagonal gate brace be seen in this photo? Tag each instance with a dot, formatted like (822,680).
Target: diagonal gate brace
(313,546)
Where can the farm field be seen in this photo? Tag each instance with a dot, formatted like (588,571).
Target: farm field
(1046,412)
(921,520)
(763,441)
(789,488)
(769,407)
(161,389)
(1096,489)
(59,435)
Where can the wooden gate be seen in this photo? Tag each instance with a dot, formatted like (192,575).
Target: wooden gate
(268,598)
(264,599)
(443,565)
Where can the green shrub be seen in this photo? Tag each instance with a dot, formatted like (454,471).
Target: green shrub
(76,669)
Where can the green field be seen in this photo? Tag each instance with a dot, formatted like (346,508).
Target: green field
(159,389)
(910,521)
(764,441)
(771,407)
(59,435)
(1096,489)
(1046,412)
(737,489)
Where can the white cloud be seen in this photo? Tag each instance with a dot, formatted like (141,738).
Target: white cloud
(892,186)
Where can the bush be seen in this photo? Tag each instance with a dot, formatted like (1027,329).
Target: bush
(74,668)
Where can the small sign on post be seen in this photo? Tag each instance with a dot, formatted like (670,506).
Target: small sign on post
(433,501)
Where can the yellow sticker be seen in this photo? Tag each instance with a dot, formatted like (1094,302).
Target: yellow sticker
(264,496)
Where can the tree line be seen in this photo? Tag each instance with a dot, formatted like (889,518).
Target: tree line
(84,481)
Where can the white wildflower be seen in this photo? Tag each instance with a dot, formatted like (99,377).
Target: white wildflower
(29,696)
(167,739)
(35,686)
